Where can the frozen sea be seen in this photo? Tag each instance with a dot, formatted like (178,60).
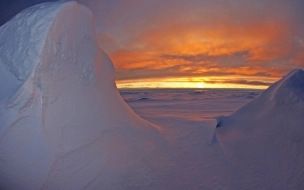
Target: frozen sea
(167,107)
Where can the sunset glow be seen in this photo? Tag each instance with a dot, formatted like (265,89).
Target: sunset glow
(197,82)
(200,44)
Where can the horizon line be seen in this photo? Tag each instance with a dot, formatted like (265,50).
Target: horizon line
(181,89)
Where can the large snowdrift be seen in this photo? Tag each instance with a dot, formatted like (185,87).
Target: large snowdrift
(63,124)
(264,139)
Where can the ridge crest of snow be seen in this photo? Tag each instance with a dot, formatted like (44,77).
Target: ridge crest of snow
(290,89)
(27,32)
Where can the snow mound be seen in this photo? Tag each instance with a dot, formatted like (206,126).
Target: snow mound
(265,138)
(27,44)
(290,89)
(63,124)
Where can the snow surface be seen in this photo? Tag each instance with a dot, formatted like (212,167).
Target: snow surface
(265,138)
(64,125)
(248,150)
(191,104)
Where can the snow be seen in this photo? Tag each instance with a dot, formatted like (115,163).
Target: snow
(64,125)
(194,105)
(264,138)
(63,122)
(187,120)
(258,146)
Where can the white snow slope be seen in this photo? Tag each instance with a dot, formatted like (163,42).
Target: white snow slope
(264,139)
(63,124)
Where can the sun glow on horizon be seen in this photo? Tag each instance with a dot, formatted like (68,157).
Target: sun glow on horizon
(196,83)
(201,85)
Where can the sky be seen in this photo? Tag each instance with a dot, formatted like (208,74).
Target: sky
(198,43)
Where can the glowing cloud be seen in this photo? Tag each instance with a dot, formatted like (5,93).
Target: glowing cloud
(153,41)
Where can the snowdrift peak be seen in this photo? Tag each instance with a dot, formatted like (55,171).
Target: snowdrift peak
(289,89)
(28,31)
(285,94)
(294,79)
(23,40)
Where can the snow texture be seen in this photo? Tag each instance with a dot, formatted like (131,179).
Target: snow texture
(265,138)
(64,125)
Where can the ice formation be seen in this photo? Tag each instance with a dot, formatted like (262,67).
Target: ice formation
(265,138)
(63,124)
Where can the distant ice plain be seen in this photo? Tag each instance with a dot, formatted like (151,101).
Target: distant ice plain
(188,122)
(171,107)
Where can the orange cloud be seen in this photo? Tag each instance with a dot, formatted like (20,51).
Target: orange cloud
(205,39)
